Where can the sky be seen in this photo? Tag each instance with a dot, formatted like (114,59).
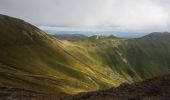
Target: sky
(119,15)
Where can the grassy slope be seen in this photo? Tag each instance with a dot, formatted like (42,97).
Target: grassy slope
(149,55)
(106,52)
(134,59)
(31,59)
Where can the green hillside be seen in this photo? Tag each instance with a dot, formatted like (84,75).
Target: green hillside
(149,55)
(33,60)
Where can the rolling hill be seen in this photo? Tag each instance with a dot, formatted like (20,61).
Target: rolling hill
(30,59)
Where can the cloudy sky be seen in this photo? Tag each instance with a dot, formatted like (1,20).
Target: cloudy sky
(123,15)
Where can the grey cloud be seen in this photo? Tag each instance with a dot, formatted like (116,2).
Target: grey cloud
(137,15)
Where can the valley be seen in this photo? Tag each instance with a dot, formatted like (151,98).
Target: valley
(33,60)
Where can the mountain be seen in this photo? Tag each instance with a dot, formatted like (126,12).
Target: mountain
(80,36)
(91,32)
(69,36)
(32,60)
(158,35)
(134,59)
(150,54)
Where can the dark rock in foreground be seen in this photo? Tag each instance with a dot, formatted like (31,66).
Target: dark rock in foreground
(21,94)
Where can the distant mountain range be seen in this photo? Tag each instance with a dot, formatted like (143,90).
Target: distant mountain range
(127,35)
(69,36)
(33,60)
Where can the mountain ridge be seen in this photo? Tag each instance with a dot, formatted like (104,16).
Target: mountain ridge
(31,59)
(44,59)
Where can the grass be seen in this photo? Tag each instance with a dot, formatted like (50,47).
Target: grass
(31,59)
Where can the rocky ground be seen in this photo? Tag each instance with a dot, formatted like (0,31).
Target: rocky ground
(21,94)
(152,89)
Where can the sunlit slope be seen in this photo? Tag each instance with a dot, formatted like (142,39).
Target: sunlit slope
(31,59)
(133,59)
(107,53)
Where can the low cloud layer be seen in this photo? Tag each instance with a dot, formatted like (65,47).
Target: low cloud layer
(124,15)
